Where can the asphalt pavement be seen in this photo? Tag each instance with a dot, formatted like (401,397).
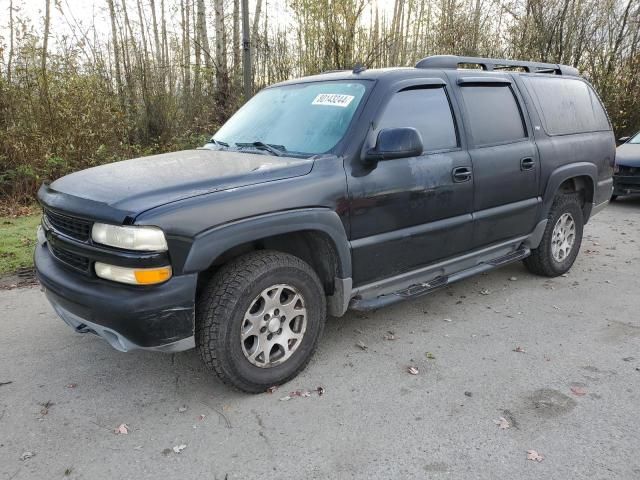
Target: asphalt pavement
(507,363)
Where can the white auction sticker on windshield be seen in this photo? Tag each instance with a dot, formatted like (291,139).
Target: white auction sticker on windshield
(333,99)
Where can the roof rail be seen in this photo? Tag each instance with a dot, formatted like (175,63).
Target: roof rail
(490,64)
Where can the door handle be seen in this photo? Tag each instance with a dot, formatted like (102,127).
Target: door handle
(461,174)
(527,163)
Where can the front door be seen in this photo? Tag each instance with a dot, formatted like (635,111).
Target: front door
(410,212)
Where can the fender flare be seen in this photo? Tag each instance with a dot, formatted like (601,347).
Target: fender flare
(212,243)
(562,174)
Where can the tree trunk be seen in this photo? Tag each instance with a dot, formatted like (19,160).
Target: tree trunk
(186,53)
(156,35)
(43,66)
(222,75)
(203,40)
(116,51)
(236,43)
(197,74)
(10,58)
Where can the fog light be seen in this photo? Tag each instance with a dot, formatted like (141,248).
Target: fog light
(133,276)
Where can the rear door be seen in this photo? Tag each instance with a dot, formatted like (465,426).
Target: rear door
(505,159)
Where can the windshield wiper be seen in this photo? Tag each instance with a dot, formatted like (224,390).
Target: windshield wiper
(218,142)
(277,150)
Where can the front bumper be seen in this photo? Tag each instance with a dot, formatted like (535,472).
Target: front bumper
(626,184)
(159,317)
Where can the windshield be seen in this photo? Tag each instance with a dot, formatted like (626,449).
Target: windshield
(306,118)
(635,138)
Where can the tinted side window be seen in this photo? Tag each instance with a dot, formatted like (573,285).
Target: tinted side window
(493,114)
(428,111)
(567,105)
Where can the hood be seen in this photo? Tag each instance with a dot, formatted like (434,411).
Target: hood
(628,155)
(117,190)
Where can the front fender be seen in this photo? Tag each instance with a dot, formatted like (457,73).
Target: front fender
(212,243)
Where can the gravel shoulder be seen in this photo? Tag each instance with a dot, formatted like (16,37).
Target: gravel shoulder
(572,395)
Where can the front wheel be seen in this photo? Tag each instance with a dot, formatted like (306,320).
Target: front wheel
(259,319)
(561,240)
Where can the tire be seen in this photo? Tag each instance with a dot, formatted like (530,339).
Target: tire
(614,198)
(234,303)
(542,260)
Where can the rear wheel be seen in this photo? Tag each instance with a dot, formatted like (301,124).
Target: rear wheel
(614,198)
(561,240)
(259,320)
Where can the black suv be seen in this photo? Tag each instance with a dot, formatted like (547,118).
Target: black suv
(351,189)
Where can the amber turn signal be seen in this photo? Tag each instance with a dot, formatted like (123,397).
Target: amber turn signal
(133,276)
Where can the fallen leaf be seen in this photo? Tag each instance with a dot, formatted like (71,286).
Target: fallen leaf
(201,417)
(430,356)
(68,471)
(320,391)
(167,451)
(27,456)
(179,448)
(535,456)
(502,423)
(123,429)
(628,359)
(361,345)
(272,389)
(578,391)
(182,409)
(302,393)
(468,394)
(485,292)
(284,399)
(519,350)
(412,370)
(45,407)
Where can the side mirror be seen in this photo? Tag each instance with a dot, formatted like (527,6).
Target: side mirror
(395,143)
(623,139)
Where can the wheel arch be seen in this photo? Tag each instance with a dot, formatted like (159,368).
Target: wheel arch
(316,235)
(576,177)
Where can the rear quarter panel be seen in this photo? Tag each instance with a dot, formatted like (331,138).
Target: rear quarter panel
(557,151)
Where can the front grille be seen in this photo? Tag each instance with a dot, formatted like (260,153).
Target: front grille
(73,227)
(76,261)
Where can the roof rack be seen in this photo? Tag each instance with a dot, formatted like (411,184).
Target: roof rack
(491,64)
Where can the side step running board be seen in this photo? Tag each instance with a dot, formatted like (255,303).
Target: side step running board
(363,303)
(422,288)
(519,254)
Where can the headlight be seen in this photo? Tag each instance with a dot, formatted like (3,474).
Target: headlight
(133,276)
(130,238)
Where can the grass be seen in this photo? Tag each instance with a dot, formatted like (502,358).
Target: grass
(17,241)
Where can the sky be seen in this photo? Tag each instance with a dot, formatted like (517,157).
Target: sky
(89,12)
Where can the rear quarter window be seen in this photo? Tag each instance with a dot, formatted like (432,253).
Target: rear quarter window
(567,106)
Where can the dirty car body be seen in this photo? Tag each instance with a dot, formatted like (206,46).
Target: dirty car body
(406,189)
